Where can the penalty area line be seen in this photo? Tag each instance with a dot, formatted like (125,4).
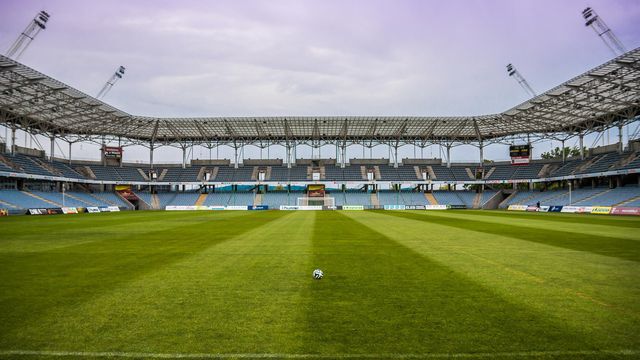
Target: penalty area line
(119,354)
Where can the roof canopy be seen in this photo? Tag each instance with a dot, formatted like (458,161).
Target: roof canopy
(606,96)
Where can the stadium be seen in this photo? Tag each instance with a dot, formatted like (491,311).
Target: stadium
(423,257)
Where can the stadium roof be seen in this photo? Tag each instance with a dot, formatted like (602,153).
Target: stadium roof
(606,96)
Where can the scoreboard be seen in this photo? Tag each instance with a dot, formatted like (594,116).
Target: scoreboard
(520,154)
(112,152)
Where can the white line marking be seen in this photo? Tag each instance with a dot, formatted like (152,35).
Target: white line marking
(116,354)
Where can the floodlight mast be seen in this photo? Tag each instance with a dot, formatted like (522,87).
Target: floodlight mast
(604,32)
(112,80)
(26,37)
(511,70)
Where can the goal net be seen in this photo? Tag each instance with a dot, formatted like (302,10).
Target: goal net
(316,201)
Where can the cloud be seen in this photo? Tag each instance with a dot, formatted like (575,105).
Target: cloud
(291,57)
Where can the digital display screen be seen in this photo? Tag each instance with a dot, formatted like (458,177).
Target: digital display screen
(519,150)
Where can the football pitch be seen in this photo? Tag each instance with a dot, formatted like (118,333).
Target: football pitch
(397,285)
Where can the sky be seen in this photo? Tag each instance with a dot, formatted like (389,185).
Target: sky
(302,57)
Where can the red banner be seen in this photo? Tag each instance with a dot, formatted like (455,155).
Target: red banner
(128,194)
(625,211)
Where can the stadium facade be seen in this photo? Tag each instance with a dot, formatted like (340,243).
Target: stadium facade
(603,98)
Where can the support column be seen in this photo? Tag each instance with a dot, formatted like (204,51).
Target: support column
(184,157)
(151,156)
(53,148)
(343,159)
(448,155)
(13,140)
(564,155)
(70,143)
(287,149)
(395,156)
(481,154)
(235,157)
(620,145)
(581,147)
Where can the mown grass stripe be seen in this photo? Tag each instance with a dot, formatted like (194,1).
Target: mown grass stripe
(621,221)
(490,355)
(35,285)
(379,295)
(535,221)
(608,246)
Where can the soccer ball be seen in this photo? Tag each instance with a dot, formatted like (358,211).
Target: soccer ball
(318,274)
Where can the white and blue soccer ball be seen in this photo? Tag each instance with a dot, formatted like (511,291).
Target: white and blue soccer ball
(318,274)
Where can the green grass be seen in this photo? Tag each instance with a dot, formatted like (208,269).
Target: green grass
(397,283)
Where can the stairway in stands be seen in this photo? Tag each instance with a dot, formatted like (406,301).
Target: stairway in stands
(80,200)
(627,201)
(431,199)
(201,199)
(102,200)
(41,199)
(7,204)
(477,201)
(374,199)
(585,200)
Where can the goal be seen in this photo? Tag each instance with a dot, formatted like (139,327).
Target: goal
(316,201)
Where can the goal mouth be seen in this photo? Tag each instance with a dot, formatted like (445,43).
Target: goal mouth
(316,201)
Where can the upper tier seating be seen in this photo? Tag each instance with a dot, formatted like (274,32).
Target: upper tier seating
(299,173)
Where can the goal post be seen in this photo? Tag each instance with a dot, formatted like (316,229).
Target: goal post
(316,201)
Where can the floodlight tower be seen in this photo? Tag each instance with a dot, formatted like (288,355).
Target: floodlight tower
(112,80)
(26,37)
(511,70)
(598,25)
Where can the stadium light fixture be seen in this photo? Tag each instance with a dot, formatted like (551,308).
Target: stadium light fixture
(112,81)
(28,35)
(603,31)
(513,72)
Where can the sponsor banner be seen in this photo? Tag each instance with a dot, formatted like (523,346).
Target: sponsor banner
(601,210)
(54,211)
(532,208)
(216,207)
(259,207)
(625,211)
(520,160)
(517,208)
(352,207)
(544,208)
(93,210)
(4,212)
(577,209)
(456,206)
(236,207)
(104,209)
(69,210)
(179,208)
(414,207)
(436,207)
(395,207)
(291,207)
(555,208)
(113,208)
